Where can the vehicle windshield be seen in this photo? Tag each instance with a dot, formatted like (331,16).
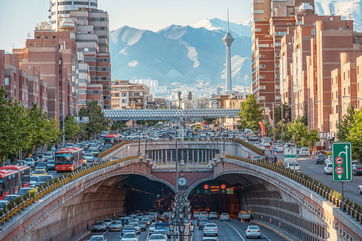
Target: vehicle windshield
(33,179)
(44,178)
(211,225)
(97,239)
(23,191)
(253,228)
(129,235)
(38,171)
(63,159)
(157,236)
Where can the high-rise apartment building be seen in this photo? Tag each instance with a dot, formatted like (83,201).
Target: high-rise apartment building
(61,8)
(53,54)
(90,26)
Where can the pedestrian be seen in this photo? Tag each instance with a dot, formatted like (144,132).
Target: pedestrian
(275,159)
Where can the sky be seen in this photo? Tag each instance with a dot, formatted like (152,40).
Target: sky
(19,17)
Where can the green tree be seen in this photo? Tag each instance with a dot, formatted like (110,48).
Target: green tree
(287,117)
(346,124)
(97,121)
(71,128)
(15,128)
(297,130)
(251,113)
(54,133)
(39,128)
(354,135)
(118,126)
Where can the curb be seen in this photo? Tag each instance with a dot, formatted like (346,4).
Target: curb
(82,236)
(273,229)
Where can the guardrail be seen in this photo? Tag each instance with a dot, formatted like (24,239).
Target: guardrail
(351,208)
(19,204)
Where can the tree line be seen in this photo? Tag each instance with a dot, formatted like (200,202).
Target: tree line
(26,129)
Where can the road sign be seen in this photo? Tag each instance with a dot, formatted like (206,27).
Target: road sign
(290,154)
(342,161)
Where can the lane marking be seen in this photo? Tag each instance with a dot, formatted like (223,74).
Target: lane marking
(266,237)
(236,231)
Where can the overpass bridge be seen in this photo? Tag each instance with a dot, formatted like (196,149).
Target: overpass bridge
(288,201)
(169,114)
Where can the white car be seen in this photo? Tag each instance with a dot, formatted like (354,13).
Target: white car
(212,215)
(328,169)
(253,231)
(152,228)
(97,238)
(279,149)
(294,166)
(360,189)
(303,151)
(157,237)
(129,237)
(328,160)
(211,229)
(224,217)
(208,238)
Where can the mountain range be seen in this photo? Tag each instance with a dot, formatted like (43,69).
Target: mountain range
(186,58)
(192,58)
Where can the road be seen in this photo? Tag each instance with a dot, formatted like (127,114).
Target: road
(228,231)
(234,230)
(315,171)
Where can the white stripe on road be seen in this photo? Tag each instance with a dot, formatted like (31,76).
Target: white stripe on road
(236,231)
(266,237)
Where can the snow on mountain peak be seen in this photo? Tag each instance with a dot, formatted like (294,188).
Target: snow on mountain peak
(215,24)
(348,9)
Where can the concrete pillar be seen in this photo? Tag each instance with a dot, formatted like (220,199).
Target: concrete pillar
(193,155)
(188,155)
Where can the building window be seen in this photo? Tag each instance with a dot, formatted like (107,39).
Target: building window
(6,81)
(258,11)
(312,31)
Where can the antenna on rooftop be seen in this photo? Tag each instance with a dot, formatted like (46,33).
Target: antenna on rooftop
(228,19)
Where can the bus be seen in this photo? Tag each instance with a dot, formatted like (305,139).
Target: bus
(23,175)
(9,182)
(112,139)
(68,159)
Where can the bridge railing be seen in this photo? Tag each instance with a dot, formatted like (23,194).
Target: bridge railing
(19,204)
(351,208)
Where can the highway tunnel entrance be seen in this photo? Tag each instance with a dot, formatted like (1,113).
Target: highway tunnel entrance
(144,194)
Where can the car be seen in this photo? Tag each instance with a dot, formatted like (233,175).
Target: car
(224,217)
(294,166)
(196,214)
(328,169)
(328,161)
(360,189)
(30,162)
(11,197)
(48,155)
(69,145)
(203,215)
(89,157)
(97,238)
(24,190)
(211,229)
(39,172)
(209,238)
(319,159)
(43,179)
(136,226)
(21,163)
(108,221)
(357,169)
(212,215)
(253,231)
(3,204)
(157,237)
(279,149)
(143,225)
(33,181)
(41,165)
(50,164)
(99,226)
(304,151)
(257,158)
(202,224)
(152,228)
(253,138)
(115,226)
(244,215)
(128,229)
(129,237)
